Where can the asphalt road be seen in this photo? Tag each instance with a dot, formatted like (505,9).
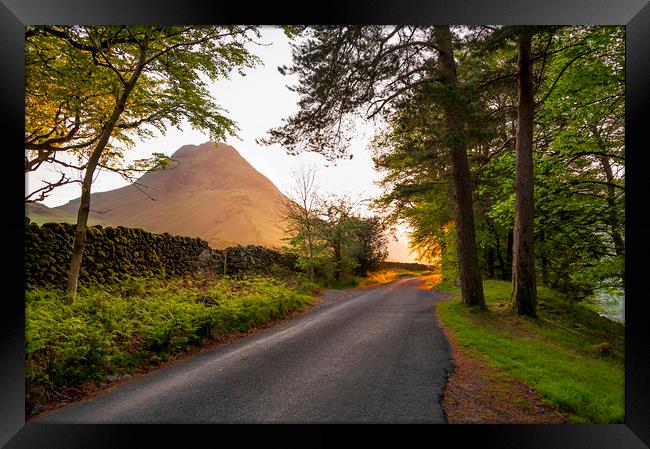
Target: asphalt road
(375,356)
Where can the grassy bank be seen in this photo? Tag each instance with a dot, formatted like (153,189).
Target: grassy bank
(130,326)
(378,277)
(571,356)
(389,275)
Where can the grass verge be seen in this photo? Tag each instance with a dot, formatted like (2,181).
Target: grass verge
(389,275)
(127,327)
(571,356)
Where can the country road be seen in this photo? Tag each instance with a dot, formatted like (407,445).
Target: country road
(374,356)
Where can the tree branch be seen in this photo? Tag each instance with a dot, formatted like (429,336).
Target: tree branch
(568,64)
(44,191)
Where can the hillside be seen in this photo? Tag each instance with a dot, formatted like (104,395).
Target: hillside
(39,214)
(211,192)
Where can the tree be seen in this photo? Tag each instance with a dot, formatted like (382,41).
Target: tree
(90,89)
(417,190)
(524,286)
(337,229)
(343,70)
(576,77)
(470,277)
(580,179)
(299,213)
(577,80)
(329,237)
(371,243)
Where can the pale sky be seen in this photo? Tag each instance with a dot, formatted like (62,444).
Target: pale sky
(256,102)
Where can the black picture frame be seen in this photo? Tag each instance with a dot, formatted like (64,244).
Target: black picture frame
(15,14)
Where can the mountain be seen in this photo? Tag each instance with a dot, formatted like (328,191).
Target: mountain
(211,192)
(40,213)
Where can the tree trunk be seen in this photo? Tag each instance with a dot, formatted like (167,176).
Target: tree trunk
(470,275)
(503,268)
(80,234)
(84,205)
(337,259)
(489,260)
(311,252)
(509,245)
(544,262)
(524,288)
(497,249)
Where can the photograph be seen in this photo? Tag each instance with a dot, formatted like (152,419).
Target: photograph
(358,223)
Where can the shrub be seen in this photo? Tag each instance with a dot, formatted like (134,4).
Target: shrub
(126,326)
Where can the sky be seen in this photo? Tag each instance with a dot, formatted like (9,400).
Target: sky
(256,102)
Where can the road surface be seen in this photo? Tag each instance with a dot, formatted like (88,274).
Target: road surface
(374,356)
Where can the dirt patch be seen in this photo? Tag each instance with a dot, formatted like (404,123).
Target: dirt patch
(477,393)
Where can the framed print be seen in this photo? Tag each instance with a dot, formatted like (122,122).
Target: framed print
(175,94)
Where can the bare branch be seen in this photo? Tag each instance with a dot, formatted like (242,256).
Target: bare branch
(43,192)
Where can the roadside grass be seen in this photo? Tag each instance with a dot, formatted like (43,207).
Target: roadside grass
(378,277)
(385,276)
(571,356)
(346,281)
(129,326)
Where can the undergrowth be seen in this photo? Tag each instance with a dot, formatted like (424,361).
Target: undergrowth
(128,326)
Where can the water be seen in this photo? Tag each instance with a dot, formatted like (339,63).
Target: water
(611,304)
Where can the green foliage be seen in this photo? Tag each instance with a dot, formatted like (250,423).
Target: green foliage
(578,156)
(449,256)
(76,78)
(341,71)
(370,244)
(330,237)
(571,356)
(345,281)
(579,171)
(125,326)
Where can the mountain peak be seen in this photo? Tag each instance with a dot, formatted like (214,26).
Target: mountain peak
(211,192)
(220,148)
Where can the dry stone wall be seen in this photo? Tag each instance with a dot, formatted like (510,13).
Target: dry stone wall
(111,254)
(251,258)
